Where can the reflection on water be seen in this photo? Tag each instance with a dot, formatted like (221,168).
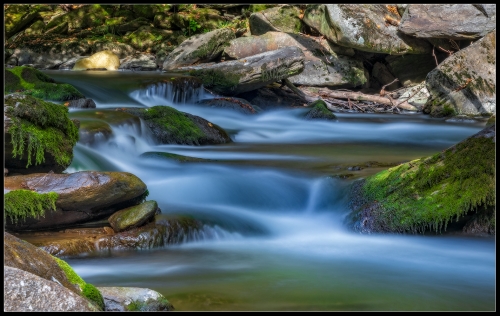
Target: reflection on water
(273,211)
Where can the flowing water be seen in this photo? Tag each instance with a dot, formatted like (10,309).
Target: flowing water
(273,207)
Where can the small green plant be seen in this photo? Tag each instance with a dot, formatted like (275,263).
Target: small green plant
(193,26)
(224,24)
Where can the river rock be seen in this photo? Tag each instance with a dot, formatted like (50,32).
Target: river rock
(367,27)
(320,111)
(284,18)
(82,196)
(104,59)
(198,48)
(134,216)
(124,299)
(170,126)
(242,75)
(465,83)
(323,65)
(27,292)
(450,21)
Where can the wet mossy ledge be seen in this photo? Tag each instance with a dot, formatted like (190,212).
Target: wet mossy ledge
(452,189)
(37,133)
(20,204)
(170,126)
(31,81)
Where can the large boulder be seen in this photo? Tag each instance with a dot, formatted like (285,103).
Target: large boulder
(285,18)
(465,83)
(323,63)
(104,59)
(453,189)
(198,48)
(170,126)
(450,21)
(246,74)
(82,196)
(39,136)
(139,62)
(366,27)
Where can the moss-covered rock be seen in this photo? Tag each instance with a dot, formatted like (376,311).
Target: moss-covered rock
(319,111)
(283,19)
(171,126)
(20,204)
(454,188)
(83,17)
(38,134)
(19,16)
(31,81)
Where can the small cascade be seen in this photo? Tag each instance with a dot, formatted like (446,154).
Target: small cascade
(178,90)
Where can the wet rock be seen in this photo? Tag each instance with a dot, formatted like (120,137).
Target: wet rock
(451,21)
(122,299)
(465,83)
(82,196)
(83,103)
(145,62)
(27,292)
(134,216)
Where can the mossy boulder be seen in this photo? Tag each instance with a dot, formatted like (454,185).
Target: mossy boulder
(104,59)
(31,81)
(39,136)
(284,18)
(145,38)
(454,190)
(81,197)
(134,216)
(465,82)
(320,111)
(198,49)
(170,126)
(237,104)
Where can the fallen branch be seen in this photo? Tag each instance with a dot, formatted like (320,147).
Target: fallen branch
(382,91)
(358,96)
(435,58)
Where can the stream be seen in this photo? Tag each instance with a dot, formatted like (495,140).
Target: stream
(273,205)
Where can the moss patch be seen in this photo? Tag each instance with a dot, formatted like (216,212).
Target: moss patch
(88,290)
(20,204)
(31,81)
(429,193)
(39,127)
(319,111)
(217,80)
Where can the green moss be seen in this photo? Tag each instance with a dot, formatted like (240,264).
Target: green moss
(88,290)
(39,127)
(31,81)
(319,110)
(217,80)
(448,110)
(174,122)
(430,193)
(20,204)
(355,76)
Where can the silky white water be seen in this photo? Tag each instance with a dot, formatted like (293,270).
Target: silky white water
(273,211)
